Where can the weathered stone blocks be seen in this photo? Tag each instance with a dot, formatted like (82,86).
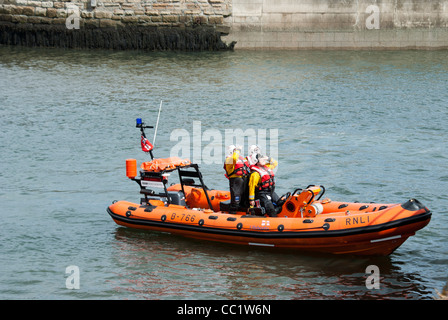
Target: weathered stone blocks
(147,12)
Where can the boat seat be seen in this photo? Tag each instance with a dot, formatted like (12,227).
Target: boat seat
(176,197)
(257,211)
(224,206)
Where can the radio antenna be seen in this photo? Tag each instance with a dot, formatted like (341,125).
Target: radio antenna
(157,124)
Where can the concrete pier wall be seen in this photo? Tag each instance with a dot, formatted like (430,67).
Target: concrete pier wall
(334,24)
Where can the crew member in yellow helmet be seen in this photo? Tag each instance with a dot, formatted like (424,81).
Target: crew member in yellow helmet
(236,171)
(262,183)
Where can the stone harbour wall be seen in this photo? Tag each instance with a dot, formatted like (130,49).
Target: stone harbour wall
(226,24)
(107,13)
(116,24)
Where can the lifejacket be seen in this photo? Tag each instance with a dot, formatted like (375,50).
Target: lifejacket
(267,177)
(249,162)
(241,168)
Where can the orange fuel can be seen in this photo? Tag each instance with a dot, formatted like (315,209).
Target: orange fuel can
(131,168)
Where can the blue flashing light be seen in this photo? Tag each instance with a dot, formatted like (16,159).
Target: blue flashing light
(139,121)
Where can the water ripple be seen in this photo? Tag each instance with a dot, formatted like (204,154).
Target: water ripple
(370,126)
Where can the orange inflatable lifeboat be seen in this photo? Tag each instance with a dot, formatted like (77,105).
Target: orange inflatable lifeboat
(306,222)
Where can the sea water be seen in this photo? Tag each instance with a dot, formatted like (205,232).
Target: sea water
(369,126)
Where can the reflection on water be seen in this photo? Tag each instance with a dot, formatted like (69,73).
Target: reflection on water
(164,266)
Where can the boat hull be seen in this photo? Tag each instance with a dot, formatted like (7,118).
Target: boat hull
(360,233)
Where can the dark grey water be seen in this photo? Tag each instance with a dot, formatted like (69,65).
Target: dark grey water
(369,126)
